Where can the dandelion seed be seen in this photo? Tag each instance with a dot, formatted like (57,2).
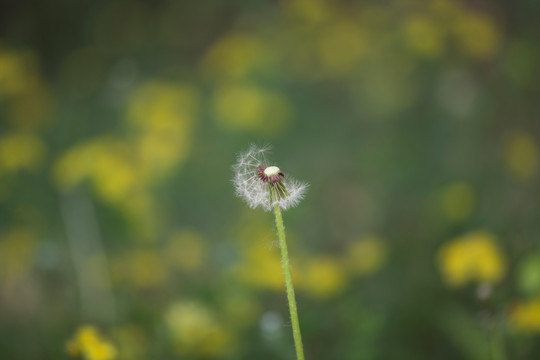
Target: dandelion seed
(260,184)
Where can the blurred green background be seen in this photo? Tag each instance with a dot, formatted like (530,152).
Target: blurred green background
(415,122)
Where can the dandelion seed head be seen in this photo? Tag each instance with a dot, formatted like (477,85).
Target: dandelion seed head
(262,185)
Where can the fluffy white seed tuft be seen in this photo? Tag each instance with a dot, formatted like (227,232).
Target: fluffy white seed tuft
(254,191)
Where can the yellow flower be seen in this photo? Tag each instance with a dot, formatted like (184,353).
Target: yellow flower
(194,330)
(311,11)
(365,255)
(322,277)
(525,316)
(472,257)
(457,201)
(236,55)
(113,176)
(424,36)
(105,161)
(17,72)
(161,117)
(261,266)
(445,9)
(248,107)
(521,155)
(89,343)
(74,165)
(477,35)
(341,46)
(20,151)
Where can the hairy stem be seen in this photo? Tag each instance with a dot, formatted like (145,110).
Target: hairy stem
(289,285)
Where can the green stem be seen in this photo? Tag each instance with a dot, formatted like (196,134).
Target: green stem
(289,285)
(497,344)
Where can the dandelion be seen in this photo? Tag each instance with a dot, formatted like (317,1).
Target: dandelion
(195,330)
(264,185)
(472,257)
(89,343)
(260,184)
(525,316)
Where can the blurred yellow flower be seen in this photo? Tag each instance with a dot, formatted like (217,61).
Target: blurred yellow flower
(194,329)
(159,122)
(341,46)
(161,117)
(17,250)
(187,250)
(424,36)
(525,316)
(248,107)
(236,55)
(322,277)
(457,201)
(261,266)
(113,176)
(105,161)
(89,343)
(74,165)
(17,72)
(477,35)
(521,155)
(445,9)
(312,11)
(20,151)
(473,257)
(162,106)
(30,100)
(365,255)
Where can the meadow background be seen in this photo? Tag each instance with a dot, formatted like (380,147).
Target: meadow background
(415,122)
